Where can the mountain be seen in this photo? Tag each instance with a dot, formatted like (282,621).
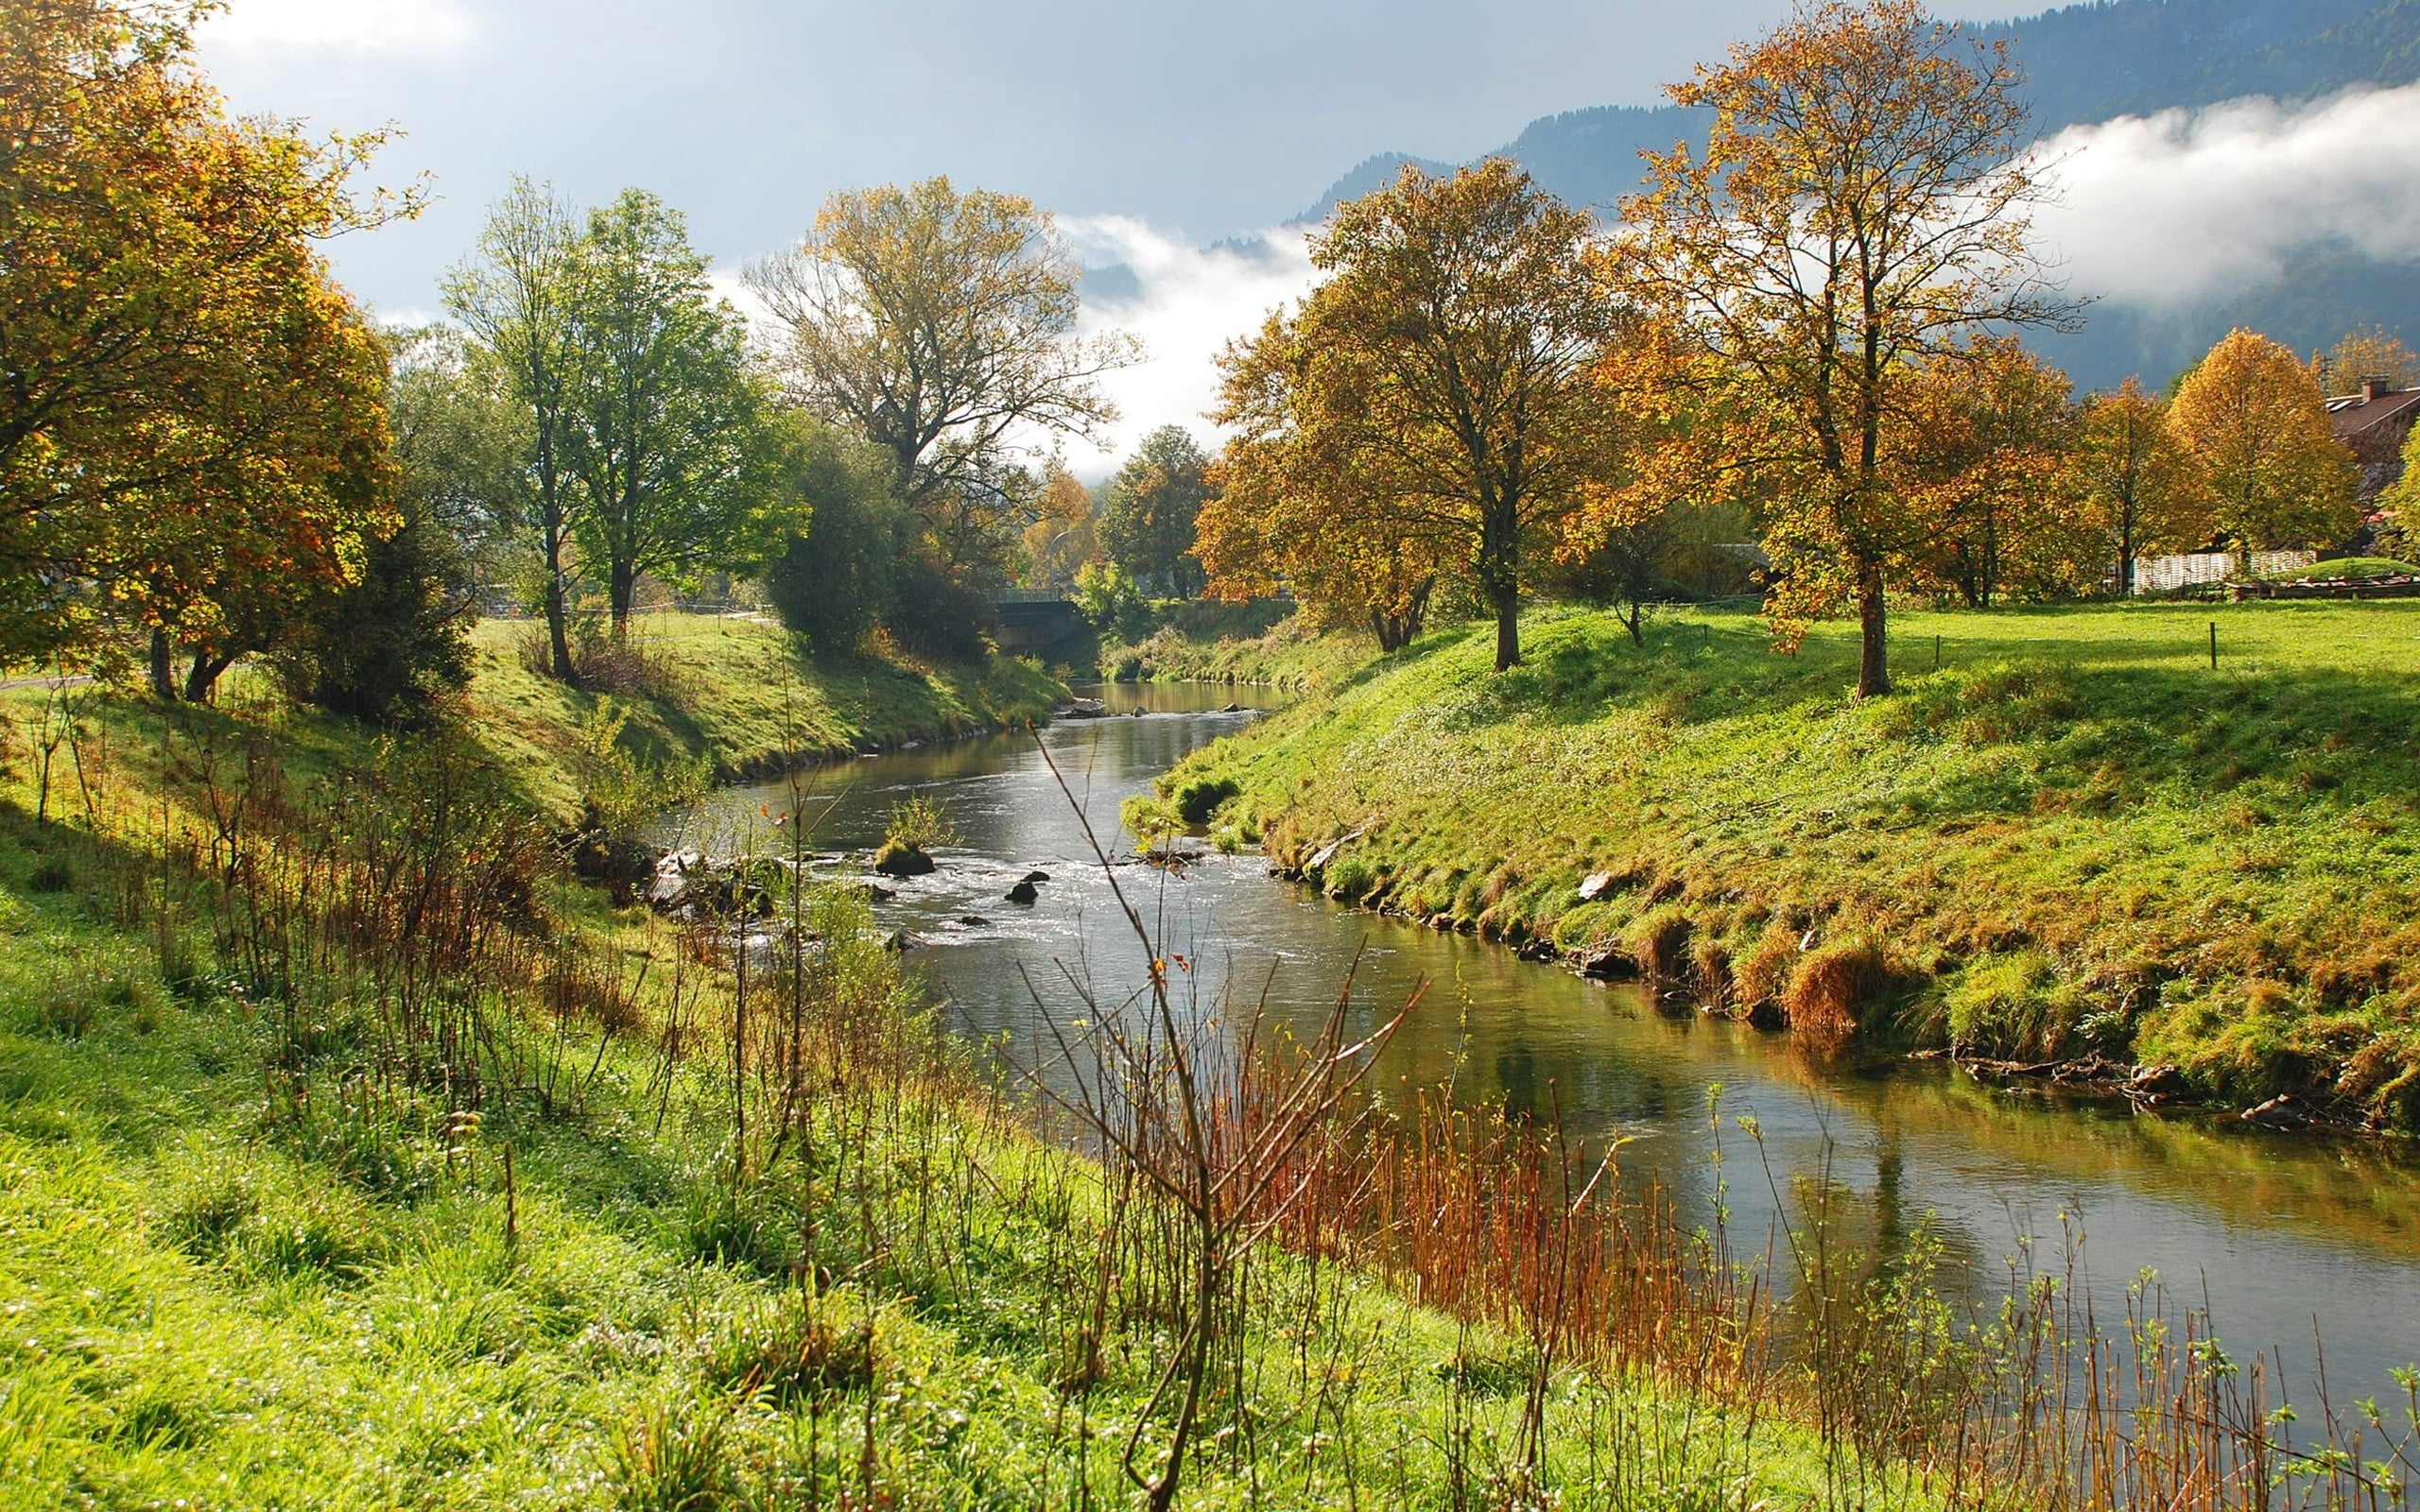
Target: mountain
(2082,63)
(2086,63)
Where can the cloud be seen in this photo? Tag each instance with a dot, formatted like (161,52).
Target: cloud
(1185,303)
(2165,209)
(392,27)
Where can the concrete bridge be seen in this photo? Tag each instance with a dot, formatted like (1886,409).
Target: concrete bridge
(1035,621)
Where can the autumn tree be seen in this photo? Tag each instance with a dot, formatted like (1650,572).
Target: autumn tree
(661,415)
(1064,536)
(1431,402)
(1283,517)
(191,425)
(1150,509)
(941,327)
(2256,424)
(1990,485)
(2368,352)
(2139,483)
(515,295)
(1858,213)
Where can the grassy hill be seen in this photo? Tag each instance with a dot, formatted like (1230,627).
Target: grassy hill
(2074,837)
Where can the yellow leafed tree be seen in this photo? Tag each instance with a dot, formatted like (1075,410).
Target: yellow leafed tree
(2256,424)
(1856,215)
(1431,409)
(2142,486)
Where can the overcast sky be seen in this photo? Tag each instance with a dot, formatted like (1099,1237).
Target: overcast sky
(1201,118)
(1153,129)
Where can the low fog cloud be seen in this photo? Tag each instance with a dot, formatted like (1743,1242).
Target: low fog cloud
(2165,209)
(1186,303)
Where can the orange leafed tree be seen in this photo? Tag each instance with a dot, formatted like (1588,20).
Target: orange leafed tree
(1857,214)
(193,421)
(1992,432)
(1429,409)
(2255,421)
(2140,485)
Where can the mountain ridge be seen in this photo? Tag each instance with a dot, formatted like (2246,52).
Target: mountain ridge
(2087,63)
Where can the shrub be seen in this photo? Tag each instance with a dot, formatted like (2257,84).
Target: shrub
(1349,879)
(670,1456)
(1658,941)
(1765,974)
(1196,802)
(793,1347)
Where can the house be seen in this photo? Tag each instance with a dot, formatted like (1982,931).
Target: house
(2372,425)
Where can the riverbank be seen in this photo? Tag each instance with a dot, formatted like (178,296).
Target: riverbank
(735,696)
(1286,655)
(2075,844)
(359,1156)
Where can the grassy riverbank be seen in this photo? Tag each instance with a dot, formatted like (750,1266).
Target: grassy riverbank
(2075,838)
(356,1157)
(1284,656)
(736,694)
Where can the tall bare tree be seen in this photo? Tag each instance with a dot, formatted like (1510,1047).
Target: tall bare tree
(1858,211)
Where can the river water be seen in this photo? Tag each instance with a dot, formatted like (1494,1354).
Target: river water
(2287,1238)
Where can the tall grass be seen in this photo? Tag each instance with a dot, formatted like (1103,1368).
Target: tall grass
(1203,1267)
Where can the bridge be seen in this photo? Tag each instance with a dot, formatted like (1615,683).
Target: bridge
(1031,620)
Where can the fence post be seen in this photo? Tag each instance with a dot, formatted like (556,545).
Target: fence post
(2214,646)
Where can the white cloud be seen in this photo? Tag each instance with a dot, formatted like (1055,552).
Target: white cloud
(1186,304)
(425,27)
(2169,209)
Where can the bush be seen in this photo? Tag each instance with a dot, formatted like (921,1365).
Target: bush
(836,578)
(1196,802)
(389,647)
(934,614)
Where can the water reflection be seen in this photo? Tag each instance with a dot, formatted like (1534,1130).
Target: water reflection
(2280,1234)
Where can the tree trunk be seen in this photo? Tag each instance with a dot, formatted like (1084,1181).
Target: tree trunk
(558,637)
(1508,627)
(624,589)
(164,683)
(1874,655)
(201,679)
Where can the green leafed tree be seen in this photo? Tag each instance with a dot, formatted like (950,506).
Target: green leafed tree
(1150,509)
(832,568)
(513,294)
(662,414)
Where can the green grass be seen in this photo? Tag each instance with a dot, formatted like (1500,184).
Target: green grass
(210,1300)
(738,694)
(2342,568)
(1285,655)
(2073,836)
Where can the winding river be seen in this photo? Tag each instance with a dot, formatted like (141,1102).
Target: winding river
(2282,1236)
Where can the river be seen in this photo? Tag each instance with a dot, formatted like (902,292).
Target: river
(2282,1236)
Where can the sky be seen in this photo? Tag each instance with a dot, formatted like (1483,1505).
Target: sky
(1155,130)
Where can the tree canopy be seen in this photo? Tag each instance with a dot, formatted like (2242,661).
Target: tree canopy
(941,327)
(191,410)
(1856,215)
(2256,424)
(1431,406)
(1150,512)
